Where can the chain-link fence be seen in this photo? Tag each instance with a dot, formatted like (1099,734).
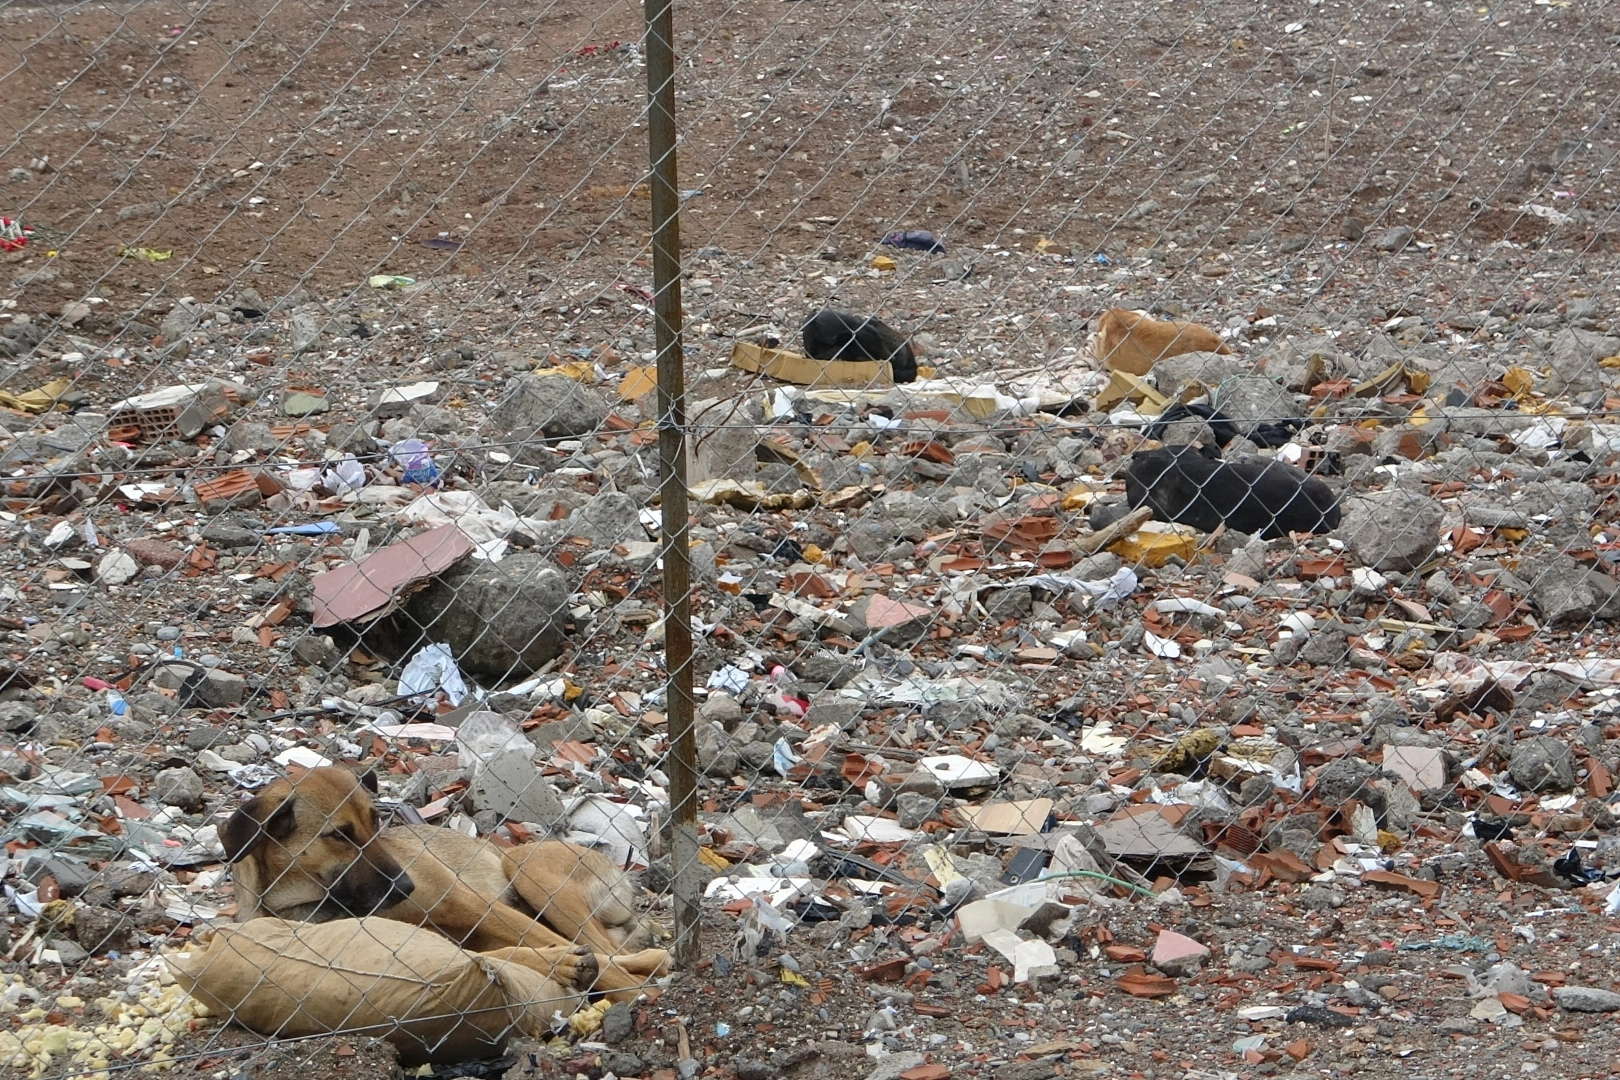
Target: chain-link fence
(1175,640)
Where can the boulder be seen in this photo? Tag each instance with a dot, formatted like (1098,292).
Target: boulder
(1391,530)
(548,407)
(501,620)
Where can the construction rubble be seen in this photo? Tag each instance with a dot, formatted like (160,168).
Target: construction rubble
(989,762)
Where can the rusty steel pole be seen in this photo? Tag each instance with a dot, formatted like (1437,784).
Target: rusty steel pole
(681,764)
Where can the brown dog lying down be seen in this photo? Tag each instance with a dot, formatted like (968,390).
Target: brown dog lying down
(1132,342)
(312,850)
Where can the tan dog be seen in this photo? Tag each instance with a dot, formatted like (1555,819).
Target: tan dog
(312,850)
(1132,342)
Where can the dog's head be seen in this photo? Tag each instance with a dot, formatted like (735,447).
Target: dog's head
(310,848)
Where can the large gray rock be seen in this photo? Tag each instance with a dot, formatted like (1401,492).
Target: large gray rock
(177,787)
(910,514)
(548,406)
(1566,593)
(610,518)
(501,620)
(1255,399)
(1585,999)
(1542,764)
(1391,530)
(1211,369)
(1574,360)
(716,751)
(509,787)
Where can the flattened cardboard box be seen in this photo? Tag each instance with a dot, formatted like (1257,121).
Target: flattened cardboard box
(794,368)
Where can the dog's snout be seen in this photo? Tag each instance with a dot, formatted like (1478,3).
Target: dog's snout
(401,888)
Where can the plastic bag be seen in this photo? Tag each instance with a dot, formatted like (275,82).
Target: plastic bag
(433,668)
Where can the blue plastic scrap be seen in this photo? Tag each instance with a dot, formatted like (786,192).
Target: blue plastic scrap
(311,528)
(914,240)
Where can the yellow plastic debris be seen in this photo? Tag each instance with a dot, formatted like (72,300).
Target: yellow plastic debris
(1518,380)
(1610,362)
(814,555)
(41,399)
(578,370)
(793,978)
(145,254)
(883,264)
(638,381)
(588,1019)
(1152,548)
(1388,842)
(1078,498)
(712,858)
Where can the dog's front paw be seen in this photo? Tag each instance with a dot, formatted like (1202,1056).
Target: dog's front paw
(577,968)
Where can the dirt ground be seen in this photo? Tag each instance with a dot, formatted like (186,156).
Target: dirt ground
(1378,169)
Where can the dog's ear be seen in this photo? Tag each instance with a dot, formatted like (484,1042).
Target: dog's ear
(368,780)
(256,820)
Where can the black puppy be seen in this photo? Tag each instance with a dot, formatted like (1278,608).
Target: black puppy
(1264,498)
(833,335)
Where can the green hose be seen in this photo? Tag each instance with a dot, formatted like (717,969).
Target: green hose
(1099,877)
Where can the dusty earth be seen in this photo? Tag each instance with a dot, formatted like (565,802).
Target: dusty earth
(210,187)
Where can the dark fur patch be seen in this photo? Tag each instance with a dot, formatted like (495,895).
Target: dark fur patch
(834,335)
(1264,498)
(255,821)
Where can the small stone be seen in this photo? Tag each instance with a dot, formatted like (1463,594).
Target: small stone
(178,787)
(69,953)
(318,650)
(1396,238)
(156,553)
(102,930)
(305,332)
(902,622)
(303,404)
(913,809)
(511,787)
(618,1024)
(116,568)
(1542,764)
(1391,530)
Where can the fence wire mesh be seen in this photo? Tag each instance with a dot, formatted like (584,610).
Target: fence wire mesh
(1175,641)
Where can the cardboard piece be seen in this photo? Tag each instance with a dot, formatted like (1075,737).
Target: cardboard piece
(1016,818)
(805,371)
(1123,386)
(409,985)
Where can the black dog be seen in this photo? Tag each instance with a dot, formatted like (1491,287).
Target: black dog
(833,335)
(1270,434)
(1264,498)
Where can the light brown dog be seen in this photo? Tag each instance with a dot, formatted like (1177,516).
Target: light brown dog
(312,850)
(1132,342)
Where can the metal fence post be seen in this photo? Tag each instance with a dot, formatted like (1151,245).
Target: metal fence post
(666,244)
